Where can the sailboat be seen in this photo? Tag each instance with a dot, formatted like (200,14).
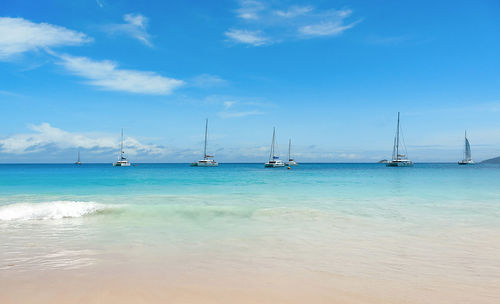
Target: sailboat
(78,162)
(398,160)
(122,160)
(467,155)
(206,161)
(291,161)
(274,160)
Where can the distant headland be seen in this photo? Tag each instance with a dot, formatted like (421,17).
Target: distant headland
(495,160)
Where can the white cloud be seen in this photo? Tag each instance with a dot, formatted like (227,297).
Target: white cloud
(18,35)
(254,38)
(135,26)
(106,75)
(45,137)
(294,11)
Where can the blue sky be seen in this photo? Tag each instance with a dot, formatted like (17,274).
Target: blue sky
(331,75)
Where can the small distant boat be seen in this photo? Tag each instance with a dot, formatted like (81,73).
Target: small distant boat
(206,161)
(467,154)
(274,160)
(398,160)
(122,160)
(291,161)
(78,162)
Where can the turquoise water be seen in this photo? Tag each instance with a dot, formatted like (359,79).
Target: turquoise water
(339,180)
(353,188)
(429,222)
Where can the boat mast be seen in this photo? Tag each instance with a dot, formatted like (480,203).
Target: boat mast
(397,140)
(271,155)
(121,147)
(205,147)
(78,156)
(465,145)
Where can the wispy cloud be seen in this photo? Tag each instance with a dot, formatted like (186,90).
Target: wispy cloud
(9,93)
(387,40)
(235,109)
(99,3)
(349,156)
(228,104)
(18,35)
(250,9)
(329,28)
(207,81)
(294,11)
(106,75)
(233,114)
(44,136)
(262,24)
(254,38)
(135,26)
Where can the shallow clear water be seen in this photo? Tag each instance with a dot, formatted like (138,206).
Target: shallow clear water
(436,222)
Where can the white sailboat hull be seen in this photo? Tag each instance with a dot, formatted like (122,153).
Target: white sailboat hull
(205,163)
(399,163)
(292,163)
(274,164)
(466,162)
(121,164)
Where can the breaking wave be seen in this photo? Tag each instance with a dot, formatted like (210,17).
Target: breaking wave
(49,210)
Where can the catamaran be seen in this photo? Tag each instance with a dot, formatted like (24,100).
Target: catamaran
(398,160)
(78,162)
(122,160)
(291,161)
(274,160)
(467,155)
(206,161)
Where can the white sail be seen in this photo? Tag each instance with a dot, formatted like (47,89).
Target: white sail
(289,148)
(468,155)
(78,162)
(271,153)
(206,135)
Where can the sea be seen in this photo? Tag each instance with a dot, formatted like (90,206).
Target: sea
(317,232)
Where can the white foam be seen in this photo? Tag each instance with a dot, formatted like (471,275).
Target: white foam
(48,210)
